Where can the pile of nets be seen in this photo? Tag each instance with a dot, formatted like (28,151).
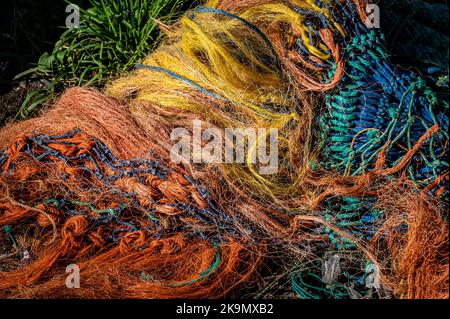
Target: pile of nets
(357,208)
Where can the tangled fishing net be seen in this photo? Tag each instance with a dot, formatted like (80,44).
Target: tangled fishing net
(357,208)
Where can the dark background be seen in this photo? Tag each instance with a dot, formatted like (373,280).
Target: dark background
(28,28)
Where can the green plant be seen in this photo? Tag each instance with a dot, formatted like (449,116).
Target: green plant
(113,35)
